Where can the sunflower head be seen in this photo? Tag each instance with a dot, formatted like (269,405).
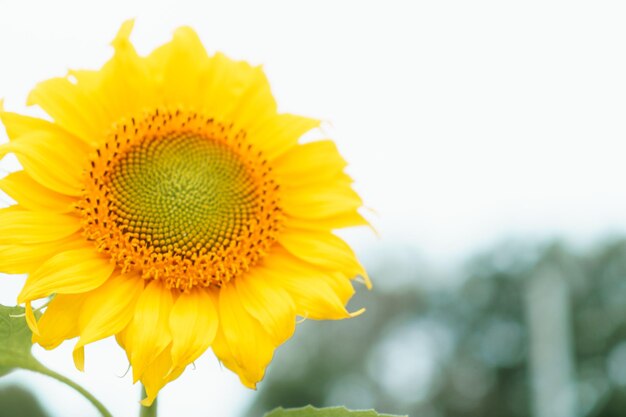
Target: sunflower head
(166,202)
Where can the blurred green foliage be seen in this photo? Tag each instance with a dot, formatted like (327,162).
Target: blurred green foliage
(15,401)
(454,344)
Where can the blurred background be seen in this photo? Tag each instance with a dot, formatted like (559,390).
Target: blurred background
(487,139)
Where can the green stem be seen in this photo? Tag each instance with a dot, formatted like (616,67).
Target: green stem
(147,411)
(36,366)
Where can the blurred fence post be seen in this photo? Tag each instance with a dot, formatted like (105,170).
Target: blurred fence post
(547,306)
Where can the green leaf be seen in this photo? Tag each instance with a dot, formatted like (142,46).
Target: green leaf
(15,340)
(310,411)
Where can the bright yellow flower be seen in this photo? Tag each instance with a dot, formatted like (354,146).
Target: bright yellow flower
(168,203)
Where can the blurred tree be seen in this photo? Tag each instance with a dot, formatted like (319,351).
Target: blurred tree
(460,348)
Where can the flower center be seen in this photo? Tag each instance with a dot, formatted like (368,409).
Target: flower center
(182,193)
(181,198)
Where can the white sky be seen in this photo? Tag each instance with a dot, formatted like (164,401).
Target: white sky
(463,121)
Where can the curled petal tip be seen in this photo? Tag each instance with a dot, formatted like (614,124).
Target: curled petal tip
(357,313)
(147,402)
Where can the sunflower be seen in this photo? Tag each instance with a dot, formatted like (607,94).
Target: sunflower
(167,203)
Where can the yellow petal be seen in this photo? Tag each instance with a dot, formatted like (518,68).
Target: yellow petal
(341,285)
(60,320)
(251,347)
(109,308)
(23,259)
(223,353)
(256,107)
(178,67)
(79,358)
(24,227)
(70,272)
(311,162)
(70,107)
(281,133)
(321,248)
(122,39)
(17,125)
(346,219)
(123,88)
(308,286)
(321,200)
(271,305)
(159,373)
(54,160)
(148,334)
(31,320)
(29,194)
(223,83)
(193,323)
(121,337)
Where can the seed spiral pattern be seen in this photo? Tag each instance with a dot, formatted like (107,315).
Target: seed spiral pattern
(181,198)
